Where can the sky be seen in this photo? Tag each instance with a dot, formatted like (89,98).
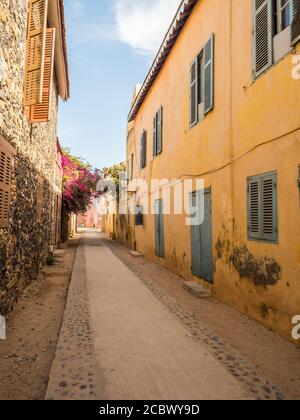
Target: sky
(111,46)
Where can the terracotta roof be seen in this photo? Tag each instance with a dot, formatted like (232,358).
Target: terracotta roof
(64,36)
(182,15)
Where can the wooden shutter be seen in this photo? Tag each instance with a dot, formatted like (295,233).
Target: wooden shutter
(269,208)
(36,39)
(194,92)
(159,130)
(263,208)
(6,156)
(254,208)
(39,199)
(296,22)
(40,112)
(155,136)
(263,35)
(209,75)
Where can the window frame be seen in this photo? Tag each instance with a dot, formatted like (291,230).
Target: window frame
(279,10)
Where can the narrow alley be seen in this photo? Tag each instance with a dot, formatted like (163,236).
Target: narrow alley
(149,202)
(120,341)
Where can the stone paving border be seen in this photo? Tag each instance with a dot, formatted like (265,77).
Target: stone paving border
(72,375)
(246,373)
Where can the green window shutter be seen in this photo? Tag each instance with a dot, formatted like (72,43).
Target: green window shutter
(254,208)
(262,35)
(155,136)
(159,131)
(209,74)
(144,150)
(296,22)
(269,208)
(194,92)
(263,207)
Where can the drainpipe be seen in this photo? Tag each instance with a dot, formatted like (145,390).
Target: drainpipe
(231,142)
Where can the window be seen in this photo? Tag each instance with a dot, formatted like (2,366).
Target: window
(39,62)
(143,158)
(296,22)
(130,168)
(202,83)
(263,208)
(158,132)
(275,30)
(139,216)
(6,155)
(284,14)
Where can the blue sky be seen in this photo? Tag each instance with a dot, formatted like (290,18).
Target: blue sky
(111,44)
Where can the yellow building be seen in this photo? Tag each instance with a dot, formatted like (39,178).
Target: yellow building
(221,103)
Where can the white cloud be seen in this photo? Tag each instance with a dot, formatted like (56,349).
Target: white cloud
(142,24)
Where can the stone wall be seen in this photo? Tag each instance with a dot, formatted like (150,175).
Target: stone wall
(24,245)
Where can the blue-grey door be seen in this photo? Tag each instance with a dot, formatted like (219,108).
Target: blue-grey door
(159,229)
(201,237)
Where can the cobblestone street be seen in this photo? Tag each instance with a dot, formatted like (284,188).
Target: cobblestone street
(125,338)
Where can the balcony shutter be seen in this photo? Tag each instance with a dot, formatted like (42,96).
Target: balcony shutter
(254,208)
(194,92)
(269,208)
(296,22)
(263,35)
(40,112)
(35,48)
(209,75)
(155,136)
(159,130)
(6,155)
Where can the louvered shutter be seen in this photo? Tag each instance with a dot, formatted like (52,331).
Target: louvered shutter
(194,92)
(254,208)
(36,39)
(6,155)
(155,136)
(143,150)
(263,208)
(269,208)
(40,112)
(263,35)
(209,75)
(296,22)
(159,130)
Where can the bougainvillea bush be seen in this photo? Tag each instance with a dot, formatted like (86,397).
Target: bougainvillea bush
(79,183)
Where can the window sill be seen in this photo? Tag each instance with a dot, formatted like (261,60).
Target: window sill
(263,241)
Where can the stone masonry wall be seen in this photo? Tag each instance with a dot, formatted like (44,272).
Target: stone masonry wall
(24,245)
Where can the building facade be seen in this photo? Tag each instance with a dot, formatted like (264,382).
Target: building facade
(33,74)
(221,104)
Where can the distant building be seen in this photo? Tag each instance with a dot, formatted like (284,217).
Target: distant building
(33,73)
